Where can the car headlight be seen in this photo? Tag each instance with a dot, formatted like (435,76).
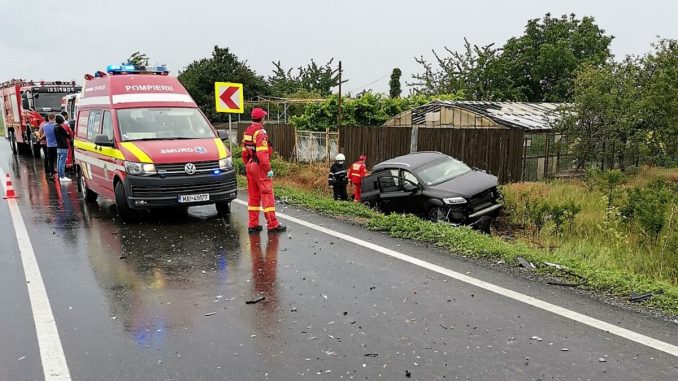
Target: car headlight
(454,200)
(140,169)
(226,163)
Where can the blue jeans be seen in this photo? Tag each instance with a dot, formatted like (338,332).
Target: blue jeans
(62,155)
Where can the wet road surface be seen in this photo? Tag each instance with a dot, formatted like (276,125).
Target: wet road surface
(166,299)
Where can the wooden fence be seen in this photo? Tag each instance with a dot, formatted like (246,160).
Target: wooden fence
(378,143)
(281,136)
(498,151)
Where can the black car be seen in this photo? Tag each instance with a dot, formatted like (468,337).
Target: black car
(432,185)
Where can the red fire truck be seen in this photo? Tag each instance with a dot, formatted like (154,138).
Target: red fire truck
(25,104)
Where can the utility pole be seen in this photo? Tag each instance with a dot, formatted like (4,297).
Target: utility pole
(339,113)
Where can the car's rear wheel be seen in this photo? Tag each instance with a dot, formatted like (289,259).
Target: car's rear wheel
(90,196)
(436,214)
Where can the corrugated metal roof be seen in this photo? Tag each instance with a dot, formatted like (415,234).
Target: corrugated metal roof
(523,115)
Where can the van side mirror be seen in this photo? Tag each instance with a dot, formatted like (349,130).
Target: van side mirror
(223,135)
(103,141)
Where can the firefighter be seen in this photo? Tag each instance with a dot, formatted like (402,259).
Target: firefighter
(338,179)
(356,174)
(256,154)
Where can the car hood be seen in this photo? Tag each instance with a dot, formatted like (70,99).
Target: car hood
(466,185)
(176,151)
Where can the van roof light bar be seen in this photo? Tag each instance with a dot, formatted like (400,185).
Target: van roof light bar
(136,69)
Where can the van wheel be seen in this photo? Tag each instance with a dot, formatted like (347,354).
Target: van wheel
(90,196)
(124,211)
(223,208)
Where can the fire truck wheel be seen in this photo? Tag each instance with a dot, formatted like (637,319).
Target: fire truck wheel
(12,141)
(124,211)
(223,208)
(90,196)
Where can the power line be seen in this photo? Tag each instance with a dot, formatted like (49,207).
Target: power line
(367,84)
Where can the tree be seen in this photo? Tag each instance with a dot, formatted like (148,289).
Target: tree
(626,109)
(544,60)
(138,58)
(198,78)
(538,66)
(313,79)
(394,84)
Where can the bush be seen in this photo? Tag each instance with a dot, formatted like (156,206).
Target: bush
(648,206)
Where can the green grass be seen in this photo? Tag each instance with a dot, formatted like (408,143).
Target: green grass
(588,260)
(2,128)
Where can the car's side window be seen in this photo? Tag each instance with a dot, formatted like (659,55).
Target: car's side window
(409,176)
(387,181)
(395,173)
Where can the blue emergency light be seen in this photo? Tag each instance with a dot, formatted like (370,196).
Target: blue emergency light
(134,69)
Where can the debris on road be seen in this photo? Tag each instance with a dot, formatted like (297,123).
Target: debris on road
(564,350)
(255,300)
(642,297)
(524,263)
(536,338)
(602,360)
(210,313)
(371,355)
(408,374)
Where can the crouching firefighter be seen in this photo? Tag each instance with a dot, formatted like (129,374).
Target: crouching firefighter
(256,154)
(338,178)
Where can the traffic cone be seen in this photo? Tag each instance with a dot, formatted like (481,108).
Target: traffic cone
(10,189)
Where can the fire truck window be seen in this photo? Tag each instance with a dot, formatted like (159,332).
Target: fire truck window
(81,128)
(93,124)
(107,125)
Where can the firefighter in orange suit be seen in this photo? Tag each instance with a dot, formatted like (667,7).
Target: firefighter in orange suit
(256,154)
(356,174)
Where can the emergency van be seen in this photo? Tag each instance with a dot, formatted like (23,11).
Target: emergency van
(142,141)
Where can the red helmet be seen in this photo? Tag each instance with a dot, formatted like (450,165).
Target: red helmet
(258,113)
(362,157)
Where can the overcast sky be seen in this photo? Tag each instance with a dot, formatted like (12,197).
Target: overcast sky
(62,40)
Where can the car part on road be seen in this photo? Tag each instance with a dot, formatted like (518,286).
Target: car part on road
(258,299)
(642,297)
(522,262)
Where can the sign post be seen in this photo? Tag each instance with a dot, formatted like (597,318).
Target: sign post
(228,98)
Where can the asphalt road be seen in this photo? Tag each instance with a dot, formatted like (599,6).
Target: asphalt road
(165,299)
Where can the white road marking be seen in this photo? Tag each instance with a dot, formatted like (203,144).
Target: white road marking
(561,311)
(52,355)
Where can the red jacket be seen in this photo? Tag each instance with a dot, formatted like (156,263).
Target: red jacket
(357,171)
(255,147)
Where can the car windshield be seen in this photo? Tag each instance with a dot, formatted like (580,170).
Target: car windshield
(162,124)
(442,170)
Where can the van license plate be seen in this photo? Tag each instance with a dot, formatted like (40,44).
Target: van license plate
(194,197)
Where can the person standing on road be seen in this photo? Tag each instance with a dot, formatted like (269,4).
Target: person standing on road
(256,154)
(356,174)
(43,145)
(337,178)
(63,136)
(50,138)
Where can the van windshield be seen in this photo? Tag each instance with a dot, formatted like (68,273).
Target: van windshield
(162,124)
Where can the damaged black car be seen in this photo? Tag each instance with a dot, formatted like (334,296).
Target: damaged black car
(435,186)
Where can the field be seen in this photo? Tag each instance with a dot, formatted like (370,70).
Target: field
(583,226)
(2,128)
